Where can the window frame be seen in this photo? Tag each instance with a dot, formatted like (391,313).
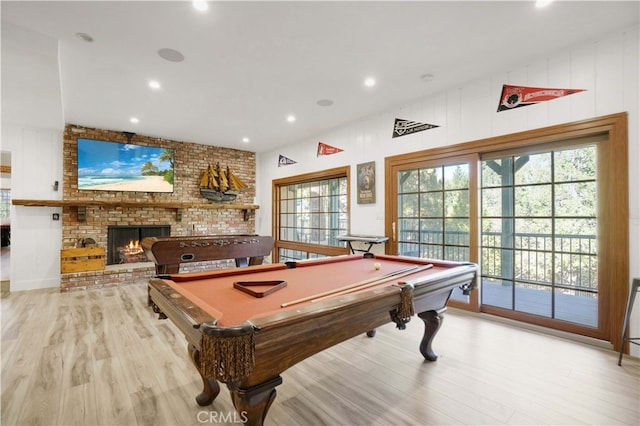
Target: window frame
(335,173)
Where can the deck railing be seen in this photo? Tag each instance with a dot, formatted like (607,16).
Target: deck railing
(564,261)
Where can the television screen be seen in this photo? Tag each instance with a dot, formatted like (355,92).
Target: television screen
(113,166)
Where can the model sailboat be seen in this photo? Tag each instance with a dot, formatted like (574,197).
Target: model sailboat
(218,184)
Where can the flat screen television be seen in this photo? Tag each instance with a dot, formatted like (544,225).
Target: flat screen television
(114,166)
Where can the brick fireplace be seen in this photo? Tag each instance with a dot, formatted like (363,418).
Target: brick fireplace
(123,242)
(100,214)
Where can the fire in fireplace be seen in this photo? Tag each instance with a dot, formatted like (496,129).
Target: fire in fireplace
(131,252)
(123,242)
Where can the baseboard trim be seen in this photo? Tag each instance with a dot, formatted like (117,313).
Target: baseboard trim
(538,329)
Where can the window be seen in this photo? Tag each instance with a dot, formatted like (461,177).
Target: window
(5,203)
(311,211)
(433,212)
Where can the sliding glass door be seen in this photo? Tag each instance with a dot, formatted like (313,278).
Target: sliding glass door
(544,213)
(539,226)
(433,212)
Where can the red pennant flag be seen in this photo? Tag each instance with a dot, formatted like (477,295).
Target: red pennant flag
(324,149)
(519,96)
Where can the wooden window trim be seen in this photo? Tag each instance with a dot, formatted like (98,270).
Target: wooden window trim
(338,172)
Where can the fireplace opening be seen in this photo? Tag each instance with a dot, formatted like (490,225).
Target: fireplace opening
(124,242)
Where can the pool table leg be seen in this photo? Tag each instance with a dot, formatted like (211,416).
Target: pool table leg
(432,322)
(253,403)
(210,387)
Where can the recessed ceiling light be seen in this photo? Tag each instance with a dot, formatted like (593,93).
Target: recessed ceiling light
(134,120)
(245,140)
(154,84)
(171,55)
(325,102)
(200,5)
(543,3)
(370,82)
(291,118)
(427,77)
(84,37)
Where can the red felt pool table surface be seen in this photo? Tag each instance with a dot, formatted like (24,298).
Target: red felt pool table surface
(214,291)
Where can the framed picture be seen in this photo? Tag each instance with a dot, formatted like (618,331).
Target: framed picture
(366,182)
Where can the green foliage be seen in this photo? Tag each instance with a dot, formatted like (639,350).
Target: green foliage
(167,155)
(538,214)
(539,217)
(148,169)
(168,176)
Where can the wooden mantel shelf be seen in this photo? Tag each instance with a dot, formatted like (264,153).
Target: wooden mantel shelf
(159,205)
(82,204)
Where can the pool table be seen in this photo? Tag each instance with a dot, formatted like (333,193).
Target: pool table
(245,326)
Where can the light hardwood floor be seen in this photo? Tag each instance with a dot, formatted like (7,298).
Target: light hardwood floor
(101,357)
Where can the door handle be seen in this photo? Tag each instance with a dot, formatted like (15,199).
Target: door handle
(393,231)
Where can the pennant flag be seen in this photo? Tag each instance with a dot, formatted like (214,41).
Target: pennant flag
(324,149)
(519,96)
(406,127)
(284,161)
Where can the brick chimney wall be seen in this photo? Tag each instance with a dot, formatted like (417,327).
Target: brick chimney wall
(190,161)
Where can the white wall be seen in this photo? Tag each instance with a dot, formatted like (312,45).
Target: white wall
(36,238)
(33,136)
(608,68)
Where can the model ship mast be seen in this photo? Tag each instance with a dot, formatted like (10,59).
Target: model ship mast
(218,184)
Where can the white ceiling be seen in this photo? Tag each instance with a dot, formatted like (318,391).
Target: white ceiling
(249,64)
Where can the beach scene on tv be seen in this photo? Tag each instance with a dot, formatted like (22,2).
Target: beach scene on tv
(113,166)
